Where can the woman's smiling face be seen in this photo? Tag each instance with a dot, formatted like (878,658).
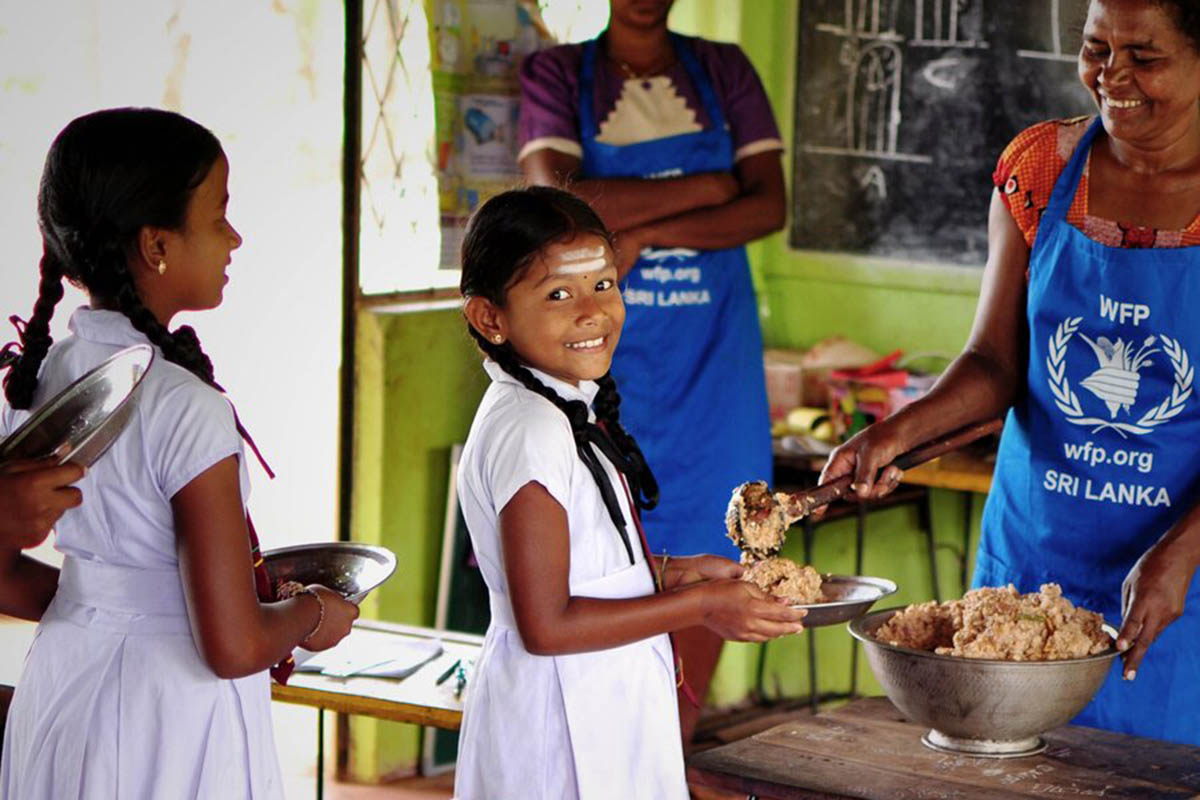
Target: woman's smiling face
(564,315)
(1142,71)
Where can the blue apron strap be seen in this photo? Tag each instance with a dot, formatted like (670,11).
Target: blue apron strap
(703,85)
(1068,179)
(587,91)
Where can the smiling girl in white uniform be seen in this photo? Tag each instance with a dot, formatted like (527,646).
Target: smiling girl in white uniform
(148,674)
(574,691)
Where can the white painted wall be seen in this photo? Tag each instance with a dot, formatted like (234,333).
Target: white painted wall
(266,77)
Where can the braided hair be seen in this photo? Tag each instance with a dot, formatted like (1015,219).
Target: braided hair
(109,174)
(502,240)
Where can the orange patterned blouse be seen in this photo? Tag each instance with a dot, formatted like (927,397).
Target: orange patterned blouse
(1028,169)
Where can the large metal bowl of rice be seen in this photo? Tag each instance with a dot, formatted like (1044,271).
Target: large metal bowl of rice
(980,706)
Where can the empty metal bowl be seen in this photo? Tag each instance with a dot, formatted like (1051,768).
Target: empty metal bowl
(981,707)
(82,421)
(844,598)
(350,568)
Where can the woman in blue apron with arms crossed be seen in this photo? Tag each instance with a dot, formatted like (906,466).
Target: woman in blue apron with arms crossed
(672,140)
(1091,338)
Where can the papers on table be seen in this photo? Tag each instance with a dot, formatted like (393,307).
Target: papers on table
(371,658)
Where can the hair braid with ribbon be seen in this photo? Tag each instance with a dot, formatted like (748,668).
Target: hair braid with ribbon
(502,240)
(107,176)
(585,432)
(25,356)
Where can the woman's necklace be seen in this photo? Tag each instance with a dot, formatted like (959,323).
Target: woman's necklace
(637,75)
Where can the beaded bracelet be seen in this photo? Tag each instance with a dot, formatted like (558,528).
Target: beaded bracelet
(320,614)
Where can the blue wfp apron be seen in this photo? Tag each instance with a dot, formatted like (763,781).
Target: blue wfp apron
(1098,460)
(689,365)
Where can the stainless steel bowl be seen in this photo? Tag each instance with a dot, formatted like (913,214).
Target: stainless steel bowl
(980,706)
(349,568)
(82,421)
(845,597)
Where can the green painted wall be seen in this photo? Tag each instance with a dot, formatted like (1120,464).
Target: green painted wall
(885,304)
(419,380)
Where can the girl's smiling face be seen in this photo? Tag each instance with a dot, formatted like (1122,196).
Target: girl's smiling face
(564,315)
(1143,72)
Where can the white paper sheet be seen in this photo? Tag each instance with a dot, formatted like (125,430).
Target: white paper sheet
(370,658)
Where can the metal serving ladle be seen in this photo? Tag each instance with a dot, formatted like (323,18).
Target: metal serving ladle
(757,519)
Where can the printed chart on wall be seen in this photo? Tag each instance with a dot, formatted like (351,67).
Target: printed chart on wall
(903,107)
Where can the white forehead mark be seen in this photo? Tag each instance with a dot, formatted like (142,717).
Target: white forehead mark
(580,267)
(581,253)
(595,264)
(580,260)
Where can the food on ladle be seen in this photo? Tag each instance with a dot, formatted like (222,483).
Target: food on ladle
(783,577)
(1000,623)
(755,520)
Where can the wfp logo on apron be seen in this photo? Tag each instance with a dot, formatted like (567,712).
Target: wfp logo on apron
(667,277)
(1116,379)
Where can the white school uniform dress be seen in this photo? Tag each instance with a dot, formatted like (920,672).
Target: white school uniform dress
(593,726)
(115,700)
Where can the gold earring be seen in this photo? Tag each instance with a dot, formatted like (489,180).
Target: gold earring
(497,338)
(162,267)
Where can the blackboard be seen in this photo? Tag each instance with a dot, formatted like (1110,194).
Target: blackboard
(902,108)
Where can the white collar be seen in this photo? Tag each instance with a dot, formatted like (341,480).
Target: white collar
(585,392)
(105,327)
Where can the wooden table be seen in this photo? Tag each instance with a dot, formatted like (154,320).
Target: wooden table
(417,699)
(867,750)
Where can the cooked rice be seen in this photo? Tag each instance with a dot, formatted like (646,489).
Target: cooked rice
(755,521)
(783,577)
(1000,623)
(286,589)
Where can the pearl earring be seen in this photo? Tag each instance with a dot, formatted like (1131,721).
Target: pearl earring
(162,267)
(497,338)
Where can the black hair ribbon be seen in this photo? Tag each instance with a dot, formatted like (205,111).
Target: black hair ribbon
(12,350)
(589,434)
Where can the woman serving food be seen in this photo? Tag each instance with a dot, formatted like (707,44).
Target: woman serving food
(1083,334)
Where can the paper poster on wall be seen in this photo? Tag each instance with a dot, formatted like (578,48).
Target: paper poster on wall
(453,229)
(476,47)
(489,136)
(447,53)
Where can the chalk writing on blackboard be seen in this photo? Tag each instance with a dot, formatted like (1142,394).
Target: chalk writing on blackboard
(902,107)
(1055,20)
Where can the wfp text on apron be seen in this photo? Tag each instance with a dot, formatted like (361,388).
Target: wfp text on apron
(689,365)
(1098,458)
